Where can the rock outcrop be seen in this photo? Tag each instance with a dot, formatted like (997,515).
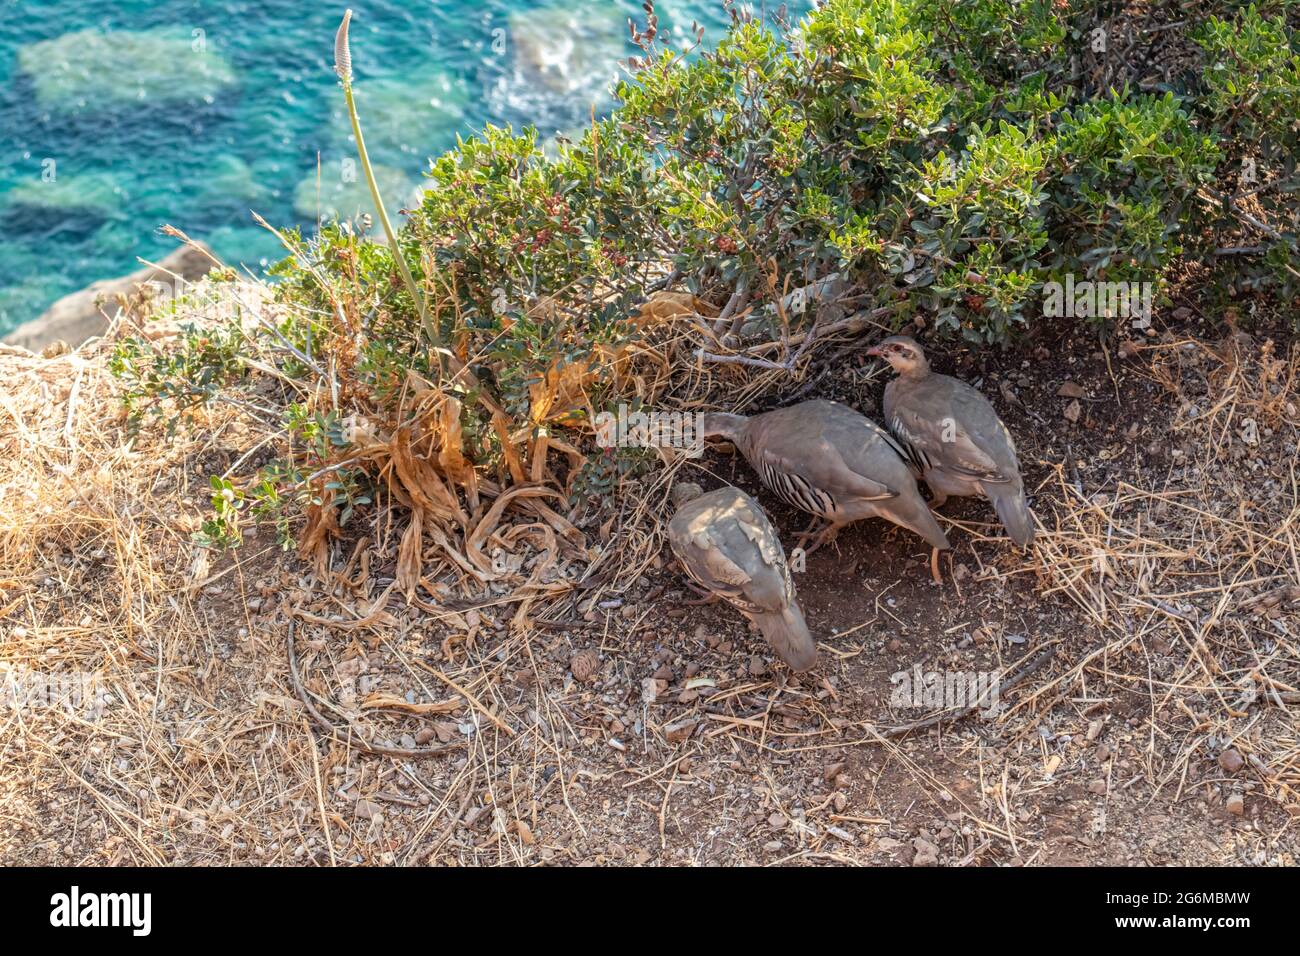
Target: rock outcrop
(94,70)
(85,314)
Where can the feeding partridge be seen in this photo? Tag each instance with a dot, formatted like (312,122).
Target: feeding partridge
(828,460)
(727,546)
(953,436)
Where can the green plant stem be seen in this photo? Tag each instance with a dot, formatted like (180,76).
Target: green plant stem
(402,267)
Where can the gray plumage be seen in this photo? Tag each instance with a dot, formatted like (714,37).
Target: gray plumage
(728,547)
(953,437)
(828,460)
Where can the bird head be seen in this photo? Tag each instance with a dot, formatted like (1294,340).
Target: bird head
(902,353)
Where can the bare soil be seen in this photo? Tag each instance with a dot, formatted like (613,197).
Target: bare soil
(1165,727)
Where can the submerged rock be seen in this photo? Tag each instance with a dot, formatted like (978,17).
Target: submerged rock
(342,193)
(91,69)
(85,194)
(229,183)
(417,114)
(568,51)
(78,201)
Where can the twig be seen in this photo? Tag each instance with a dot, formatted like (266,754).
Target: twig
(455,817)
(477,704)
(1036,664)
(350,739)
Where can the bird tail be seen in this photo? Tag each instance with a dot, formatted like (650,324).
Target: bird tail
(788,634)
(1016,517)
(722,425)
(920,519)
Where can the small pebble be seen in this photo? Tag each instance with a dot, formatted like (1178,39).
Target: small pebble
(927,854)
(1231,761)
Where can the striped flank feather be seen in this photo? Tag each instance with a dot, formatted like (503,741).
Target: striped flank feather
(796,491)
(910,453)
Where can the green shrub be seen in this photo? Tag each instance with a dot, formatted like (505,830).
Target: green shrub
(943,159)
(1250,99)
(1129,167)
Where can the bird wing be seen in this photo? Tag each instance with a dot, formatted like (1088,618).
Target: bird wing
(799,456)
(951,426)
(730,549)
(758,530)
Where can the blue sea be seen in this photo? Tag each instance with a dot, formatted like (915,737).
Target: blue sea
(117,116)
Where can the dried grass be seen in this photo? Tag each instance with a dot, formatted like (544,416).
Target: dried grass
(453,626)
(1200,571)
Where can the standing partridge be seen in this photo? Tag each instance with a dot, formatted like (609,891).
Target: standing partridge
(828,460)
(727,546)
(953,436)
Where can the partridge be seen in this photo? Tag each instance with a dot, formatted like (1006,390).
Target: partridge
(954,438)
(727,546)
(828,460)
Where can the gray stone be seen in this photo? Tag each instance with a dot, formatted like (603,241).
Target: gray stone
(85,314)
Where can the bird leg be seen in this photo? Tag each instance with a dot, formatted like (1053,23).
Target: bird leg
(827,533)
(808,532)
(705,597)
(938,499)
(934,566)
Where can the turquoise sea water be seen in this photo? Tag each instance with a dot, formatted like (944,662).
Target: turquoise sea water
(117,116)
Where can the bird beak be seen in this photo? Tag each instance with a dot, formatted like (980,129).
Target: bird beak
(875,350)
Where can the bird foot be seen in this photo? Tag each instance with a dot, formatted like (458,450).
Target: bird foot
(704,597)
(801,539)
(934,566)
(827,534)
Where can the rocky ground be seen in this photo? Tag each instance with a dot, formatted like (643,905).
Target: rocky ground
(1152,634)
